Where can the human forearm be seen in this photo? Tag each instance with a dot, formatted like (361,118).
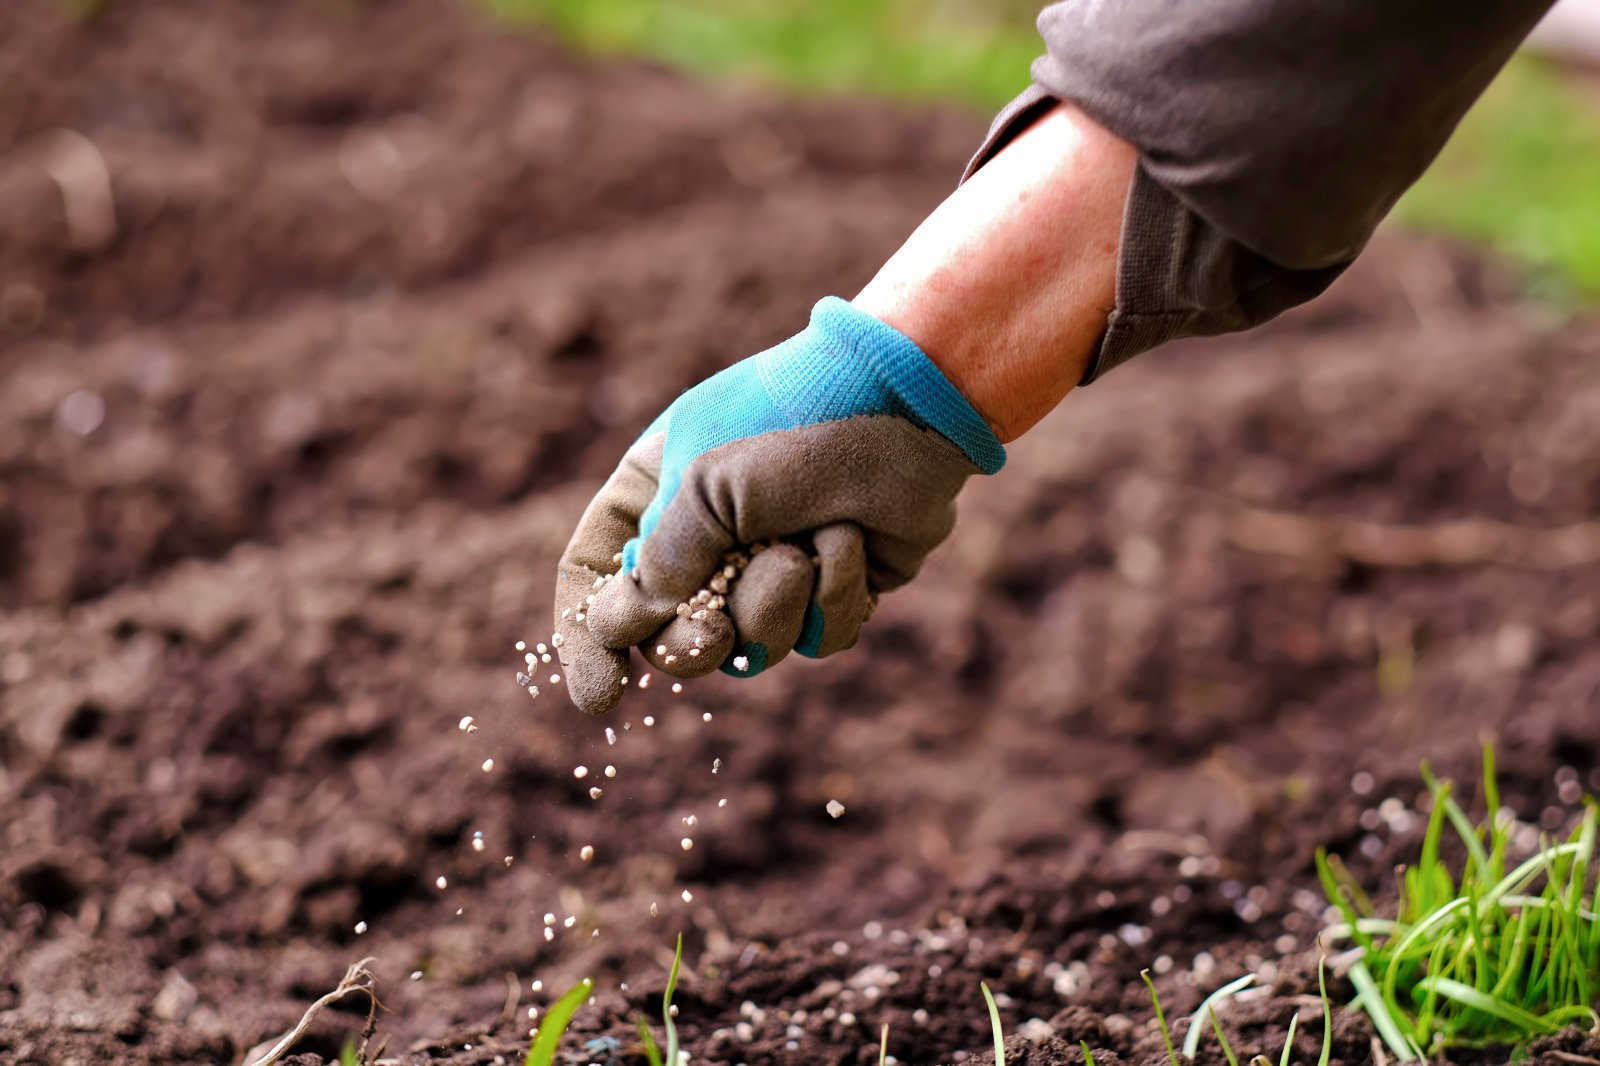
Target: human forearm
(1006,286)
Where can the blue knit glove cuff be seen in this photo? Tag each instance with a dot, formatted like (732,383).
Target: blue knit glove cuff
(847,363)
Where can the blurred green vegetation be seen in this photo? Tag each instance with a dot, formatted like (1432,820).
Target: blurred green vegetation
(1522,174)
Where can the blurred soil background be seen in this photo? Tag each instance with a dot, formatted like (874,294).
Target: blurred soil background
(320,322)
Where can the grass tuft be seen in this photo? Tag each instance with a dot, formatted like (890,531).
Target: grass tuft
(1480,955)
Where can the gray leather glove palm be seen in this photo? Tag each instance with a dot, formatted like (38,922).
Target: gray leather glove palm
(767,507)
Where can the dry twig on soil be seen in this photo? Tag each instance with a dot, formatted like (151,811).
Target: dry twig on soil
(356,979)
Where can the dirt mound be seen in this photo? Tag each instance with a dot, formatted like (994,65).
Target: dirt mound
(287,463)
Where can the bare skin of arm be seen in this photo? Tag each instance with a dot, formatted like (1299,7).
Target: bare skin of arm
(1007,285)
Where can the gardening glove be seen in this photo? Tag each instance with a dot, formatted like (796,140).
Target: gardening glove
(829,463)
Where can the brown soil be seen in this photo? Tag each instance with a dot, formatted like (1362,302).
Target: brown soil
(287,461)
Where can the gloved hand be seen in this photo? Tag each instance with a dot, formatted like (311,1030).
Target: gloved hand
(830,463)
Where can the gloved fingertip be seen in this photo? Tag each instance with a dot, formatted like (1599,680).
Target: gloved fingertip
(748,660)
(810,642)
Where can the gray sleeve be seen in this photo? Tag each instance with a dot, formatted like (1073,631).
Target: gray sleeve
(1273,136)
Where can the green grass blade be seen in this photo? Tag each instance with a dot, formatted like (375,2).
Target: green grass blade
(1526,1022)
(883,1046)
(1191,1039)
(1088,1056)
(1227,1050)
(1383,1020)
(1339,897)
(652,1052)
(666,1004)
(1288,1041)
(348,1056)
(994,1024)
(556,1020)
(1327,1013)
(1161,1017)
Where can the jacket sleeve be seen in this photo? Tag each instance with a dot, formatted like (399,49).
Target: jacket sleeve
(1273,136)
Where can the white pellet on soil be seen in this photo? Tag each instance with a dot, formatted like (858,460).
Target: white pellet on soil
(586,852)
(416,975)
(537,986)
(834,808)
(488,765)
(569,921)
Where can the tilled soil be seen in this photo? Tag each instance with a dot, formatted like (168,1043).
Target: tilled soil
(288,457)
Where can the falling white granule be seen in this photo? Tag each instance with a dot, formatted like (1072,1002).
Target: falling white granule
(549,934)
(835,808)
(540,648)
(533,1013)
(655,911)
(416,975)
(488,765)
(465,723)
(687,895)
(522,645)
(537,986)
(723,802)
(687,844)
(611,735)
(477,842)
(610,771)
(706,717)
(644,681)
(586,852)
(555,679)
(716,766)
(690,820)
(649,720)
(677,686)
(595,792)
(533,691)
(580,772)
(549,918)
(741,663)
(509,860)
(441,882)
(361,927)
(569,921)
